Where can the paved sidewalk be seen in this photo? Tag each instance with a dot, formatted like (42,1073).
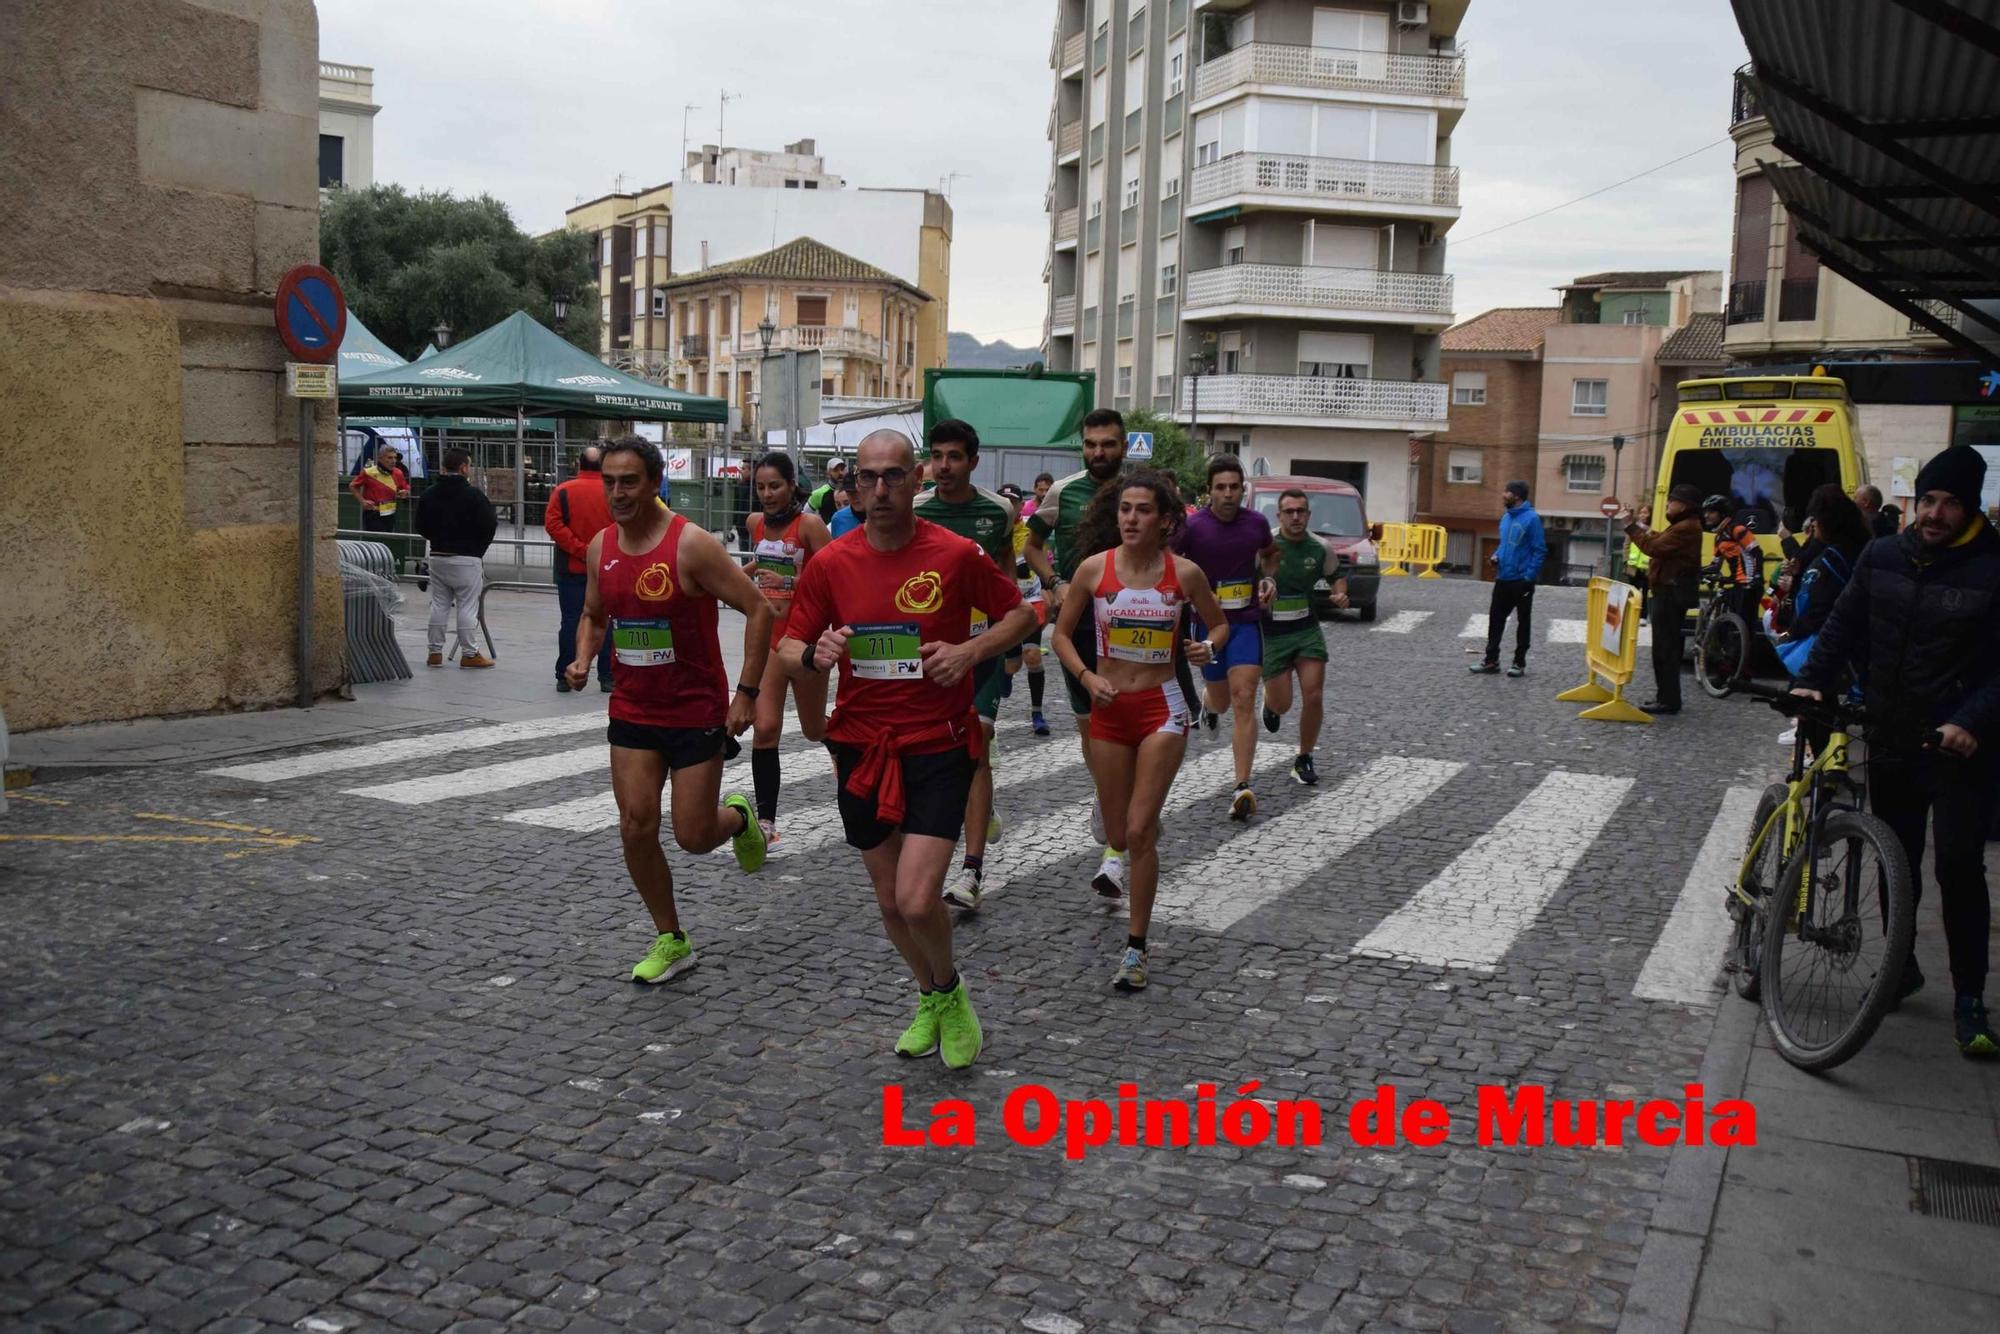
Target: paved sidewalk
(1815,1227)
(523,626)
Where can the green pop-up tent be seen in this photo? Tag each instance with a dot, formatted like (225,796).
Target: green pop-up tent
(362,353)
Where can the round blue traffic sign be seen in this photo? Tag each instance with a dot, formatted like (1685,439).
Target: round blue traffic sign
(311,313)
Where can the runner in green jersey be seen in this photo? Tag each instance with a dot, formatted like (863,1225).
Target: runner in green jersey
(1059,516)
(1293,644)
(972,512)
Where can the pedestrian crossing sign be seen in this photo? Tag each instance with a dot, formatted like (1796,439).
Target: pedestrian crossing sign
(1139,445)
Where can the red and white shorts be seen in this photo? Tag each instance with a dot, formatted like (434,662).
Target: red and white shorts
(1138,714)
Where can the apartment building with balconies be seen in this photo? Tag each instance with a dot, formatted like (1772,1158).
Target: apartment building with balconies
(1260,190)
(861,319)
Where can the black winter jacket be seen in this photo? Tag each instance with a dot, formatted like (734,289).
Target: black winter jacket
(1922,632)
(456,518)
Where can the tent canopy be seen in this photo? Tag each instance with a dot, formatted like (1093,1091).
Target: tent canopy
(1029,409)
(362,353)
(519,364)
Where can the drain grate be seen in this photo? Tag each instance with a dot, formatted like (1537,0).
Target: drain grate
(1964,1191)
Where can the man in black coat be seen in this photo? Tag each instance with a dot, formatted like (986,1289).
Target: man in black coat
(1919,625)
(458,521)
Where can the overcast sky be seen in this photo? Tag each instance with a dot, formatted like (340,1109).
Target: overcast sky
(545,102)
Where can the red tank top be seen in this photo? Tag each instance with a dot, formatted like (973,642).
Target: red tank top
(1139,625)
(781,558)
(666,659)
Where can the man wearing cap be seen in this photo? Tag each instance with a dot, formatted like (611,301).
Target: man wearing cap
(821,501)
(1919,625)
(1516,565)
(1673,555)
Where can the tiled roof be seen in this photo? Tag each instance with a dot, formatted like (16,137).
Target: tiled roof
(1508,329)
(801,260)
(1640,278)
(1697,341)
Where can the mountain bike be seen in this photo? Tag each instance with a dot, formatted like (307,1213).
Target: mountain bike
(1722,644)
(1822,905)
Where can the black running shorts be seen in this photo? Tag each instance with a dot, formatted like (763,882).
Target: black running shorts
(680,747)
(934,791)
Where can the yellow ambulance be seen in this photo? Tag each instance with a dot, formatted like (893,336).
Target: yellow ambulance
(1766,442)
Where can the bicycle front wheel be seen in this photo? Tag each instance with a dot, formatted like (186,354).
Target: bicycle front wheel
(1722,658)
(1832,964)
(1746,943)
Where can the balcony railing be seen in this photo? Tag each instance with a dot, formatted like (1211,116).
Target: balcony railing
(1332,69)
(1746,303)
(1798,298)
(1072,52)
(694,347)
(1311,288)
(1062,314)
(649,363)
(1069,138)
(1325,178)
(804,337)
(1065,225)
(1224,397)
(1743,98)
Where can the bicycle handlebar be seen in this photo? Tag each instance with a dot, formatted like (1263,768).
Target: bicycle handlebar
(1835,715)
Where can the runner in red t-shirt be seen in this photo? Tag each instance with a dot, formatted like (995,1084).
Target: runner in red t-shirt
(892,606)
(655,579)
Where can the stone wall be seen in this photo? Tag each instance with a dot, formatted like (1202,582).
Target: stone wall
(161,160)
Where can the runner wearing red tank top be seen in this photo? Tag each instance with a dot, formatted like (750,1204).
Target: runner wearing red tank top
(1138,714)
(654,581)
(784,535)
(891,606)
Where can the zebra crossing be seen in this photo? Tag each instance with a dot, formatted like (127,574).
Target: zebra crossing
(1560,630)
(1469,916)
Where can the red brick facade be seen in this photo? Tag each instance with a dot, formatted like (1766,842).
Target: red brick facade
(1503,429)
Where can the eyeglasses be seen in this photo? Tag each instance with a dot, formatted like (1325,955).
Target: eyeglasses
(893,477)
(1293,512)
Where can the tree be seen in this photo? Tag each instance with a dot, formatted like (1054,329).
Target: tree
(411,262)
(1173,450)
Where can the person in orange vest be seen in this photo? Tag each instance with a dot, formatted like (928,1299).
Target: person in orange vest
(577,512)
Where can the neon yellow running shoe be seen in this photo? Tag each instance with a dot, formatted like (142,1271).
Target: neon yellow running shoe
(959,1038)
(921,1037)
(667,958)
(748,845)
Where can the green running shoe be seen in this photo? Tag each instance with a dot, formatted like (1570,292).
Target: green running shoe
(921,1037)
(748,845)
(667,958)
(959,1038)
(1975,1036)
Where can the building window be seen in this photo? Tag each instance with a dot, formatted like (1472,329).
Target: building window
(1468,390)
(332,161)
(1170,276)
(1163,385)
(791,185)
(1125,381)
(604,247)
(1587,398)
(659,305)
(604,310)
(639,237)
(1584,472)
(660,240)
(812,185)
(812,310)
(1172,189)
(1466,465)
(1176,65)
(1233,242)
(1634,317)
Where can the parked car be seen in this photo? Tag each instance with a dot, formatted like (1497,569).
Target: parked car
(1338,516)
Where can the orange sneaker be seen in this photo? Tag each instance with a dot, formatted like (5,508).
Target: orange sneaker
(475,660)
(434,660)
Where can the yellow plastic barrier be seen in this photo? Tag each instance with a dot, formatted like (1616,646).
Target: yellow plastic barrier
(1610,652)
(1426,548)
(1394,547)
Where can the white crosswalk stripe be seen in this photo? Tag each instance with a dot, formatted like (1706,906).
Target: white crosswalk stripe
(1685,963)
(1402,623)
(1471,914)
(600,809)
(1563,630)
(407,748)
(1216,893)
(486,778)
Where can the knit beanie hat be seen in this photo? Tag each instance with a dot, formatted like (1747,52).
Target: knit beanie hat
(1959,471)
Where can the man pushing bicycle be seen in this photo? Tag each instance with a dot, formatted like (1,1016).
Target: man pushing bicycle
(1919,624)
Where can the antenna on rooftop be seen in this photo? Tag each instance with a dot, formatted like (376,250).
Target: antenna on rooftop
(721,114)
(944,182)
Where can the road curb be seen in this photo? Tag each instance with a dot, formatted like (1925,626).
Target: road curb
(1661,1299)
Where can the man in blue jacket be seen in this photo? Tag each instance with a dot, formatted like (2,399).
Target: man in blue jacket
(1516,564)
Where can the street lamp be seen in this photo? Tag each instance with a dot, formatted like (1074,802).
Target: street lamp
(560,301)
(766,331)
(441,335)
(1197,363)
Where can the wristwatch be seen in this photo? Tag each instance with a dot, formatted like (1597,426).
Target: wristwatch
(751,691)
(806,658)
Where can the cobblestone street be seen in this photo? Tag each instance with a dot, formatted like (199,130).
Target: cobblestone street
(379,1063)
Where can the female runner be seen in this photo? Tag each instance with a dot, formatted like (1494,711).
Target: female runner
(1139,711)
(783,536)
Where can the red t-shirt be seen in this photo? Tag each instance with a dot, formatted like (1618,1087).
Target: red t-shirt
(897,601)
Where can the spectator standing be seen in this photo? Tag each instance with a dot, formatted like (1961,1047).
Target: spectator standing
(458,521)
(1919,625)
(577,512)
(1516,566)
(822,501)
(1881,519)
(847,515)
(1673,556)
(379,485)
